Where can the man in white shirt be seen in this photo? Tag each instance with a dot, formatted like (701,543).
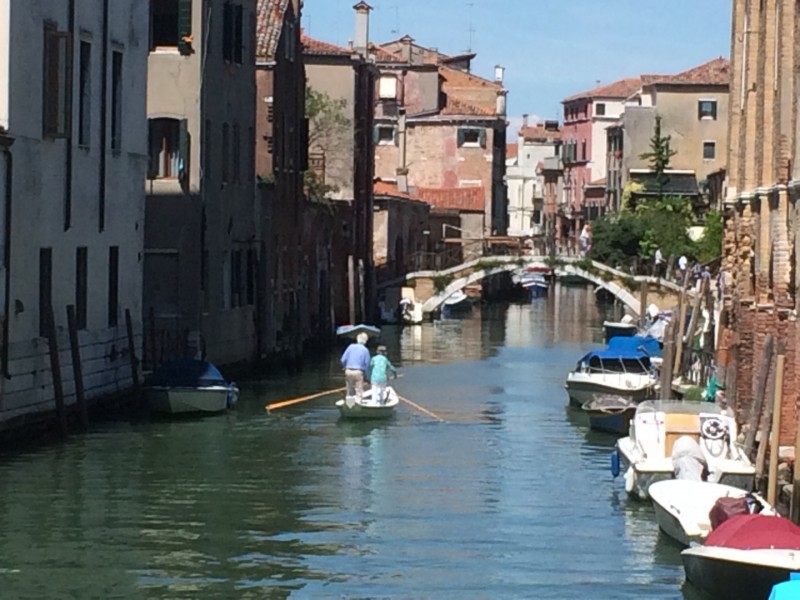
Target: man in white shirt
(683,264)
(658,271)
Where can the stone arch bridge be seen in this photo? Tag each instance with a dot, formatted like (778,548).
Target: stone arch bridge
(432,288)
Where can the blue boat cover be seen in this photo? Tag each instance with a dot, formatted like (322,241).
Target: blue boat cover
(646,344)
(187,372)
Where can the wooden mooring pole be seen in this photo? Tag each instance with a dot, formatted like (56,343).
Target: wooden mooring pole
(132,350)
(77,367)
(754,418)
(55,368)
(774,440)
(666,366)
(795,510)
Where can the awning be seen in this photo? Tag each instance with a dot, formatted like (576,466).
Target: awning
(675,184)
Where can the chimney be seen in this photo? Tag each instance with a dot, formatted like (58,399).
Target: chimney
(361,42)
(499,74)
(525,120)
(408,49)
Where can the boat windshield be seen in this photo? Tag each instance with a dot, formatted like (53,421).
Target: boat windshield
(678,406)
(596,364)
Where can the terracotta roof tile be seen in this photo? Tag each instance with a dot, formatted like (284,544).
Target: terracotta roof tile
(388,188)
(382,55)
(713,72)
(318,47)
(619,89)
(468,199)
(512,151)
(270,15)
(455,78)
(539,132)
(457,107)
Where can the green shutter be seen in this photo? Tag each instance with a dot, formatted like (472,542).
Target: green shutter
(185,26)
(460,137)
(183,151)
(482,138)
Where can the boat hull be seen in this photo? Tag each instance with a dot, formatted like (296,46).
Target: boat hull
(731,574)
(368,409)
(177,400)
(611,423)
(582,391)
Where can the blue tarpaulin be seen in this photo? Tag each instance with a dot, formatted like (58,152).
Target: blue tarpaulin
(635,344)
(187,372)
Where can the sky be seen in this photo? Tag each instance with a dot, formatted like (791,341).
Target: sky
(551,49)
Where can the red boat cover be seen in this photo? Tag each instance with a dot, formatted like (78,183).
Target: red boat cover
(754,532)
(727,508)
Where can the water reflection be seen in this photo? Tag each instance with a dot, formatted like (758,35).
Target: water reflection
(510,497)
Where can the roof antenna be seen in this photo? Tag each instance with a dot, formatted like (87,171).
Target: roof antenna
(470,28)
(396,30)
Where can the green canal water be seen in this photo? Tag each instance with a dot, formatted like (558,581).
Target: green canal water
(509,497)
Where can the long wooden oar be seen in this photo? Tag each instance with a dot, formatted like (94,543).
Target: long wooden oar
(284,403)
(421,409)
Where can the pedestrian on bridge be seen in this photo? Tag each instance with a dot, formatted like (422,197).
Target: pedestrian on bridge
(660,264)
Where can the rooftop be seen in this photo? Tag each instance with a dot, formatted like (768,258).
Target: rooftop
(619,89)
(320,48)
(269,24)
(467,199)
(714,72)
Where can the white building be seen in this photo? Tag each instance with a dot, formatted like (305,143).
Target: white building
(72,106)
(525,179)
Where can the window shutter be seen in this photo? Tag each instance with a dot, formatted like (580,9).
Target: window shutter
(375,134)
(700,110)
(714,109)
(185,26)
(183,151)
(152,164)
(482,138)
(238,37)
(304,146)
(460,137)
(227,31)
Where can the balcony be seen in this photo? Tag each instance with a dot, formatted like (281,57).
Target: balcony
(552,163)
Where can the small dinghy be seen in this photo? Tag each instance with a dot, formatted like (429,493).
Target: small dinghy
(684,507)
(369,407)
(610,413)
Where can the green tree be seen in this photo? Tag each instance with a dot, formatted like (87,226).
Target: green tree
(616,238)
(659,156)
(666,223)
(709,246)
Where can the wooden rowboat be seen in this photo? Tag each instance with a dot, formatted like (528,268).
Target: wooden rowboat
(369,408)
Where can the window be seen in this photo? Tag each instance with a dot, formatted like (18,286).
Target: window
(226,151)
(237,146)
(600,109)
(707,109)
(113,285)
(81,281)
(57,100)
(232,32)
(709,150)
(85,94)
(116,100)
(385,135)
(387,88)
(45,289)
(471,137)
(171,24)
(251,276)
(169,148)
(583,150)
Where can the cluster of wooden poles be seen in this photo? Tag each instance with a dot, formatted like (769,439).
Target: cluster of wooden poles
(301,399)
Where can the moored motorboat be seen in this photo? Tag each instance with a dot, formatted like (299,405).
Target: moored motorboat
(683,507)
(647,455)
(623,369)
(744,558)
(456,302)
(370,407)
(609,413)
(625,328)
(187,386)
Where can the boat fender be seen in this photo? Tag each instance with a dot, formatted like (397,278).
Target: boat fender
(615,469)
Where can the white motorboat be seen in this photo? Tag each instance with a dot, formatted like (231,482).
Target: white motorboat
(683,507)
(623,372)
(189,386)
(647,453)
(457,301)
(370,407)
(744,558)
(624,328)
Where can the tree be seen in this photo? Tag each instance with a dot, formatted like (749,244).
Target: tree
(709,246)
(659,155)
(329,133)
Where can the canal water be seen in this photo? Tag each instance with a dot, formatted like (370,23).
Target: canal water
(509,497)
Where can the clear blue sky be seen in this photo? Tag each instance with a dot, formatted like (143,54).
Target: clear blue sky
(550,48)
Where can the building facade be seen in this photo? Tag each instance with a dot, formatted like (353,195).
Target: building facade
(761,207)
(73,149)
(201,242)
(342,150)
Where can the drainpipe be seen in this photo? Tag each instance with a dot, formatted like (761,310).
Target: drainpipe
(6,164)
(68,153)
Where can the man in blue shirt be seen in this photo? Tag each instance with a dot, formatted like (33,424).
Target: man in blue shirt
(355,362)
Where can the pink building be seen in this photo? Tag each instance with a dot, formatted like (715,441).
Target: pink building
(586,117)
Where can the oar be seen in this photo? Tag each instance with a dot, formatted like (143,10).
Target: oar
(421,409)
(284,403)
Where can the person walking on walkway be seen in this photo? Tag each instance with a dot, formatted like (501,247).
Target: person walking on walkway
(355,362)
(379,369)
(659,266)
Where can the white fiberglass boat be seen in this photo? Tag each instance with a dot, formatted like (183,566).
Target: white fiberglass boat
(189,386)
(369,407)
(647,453)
